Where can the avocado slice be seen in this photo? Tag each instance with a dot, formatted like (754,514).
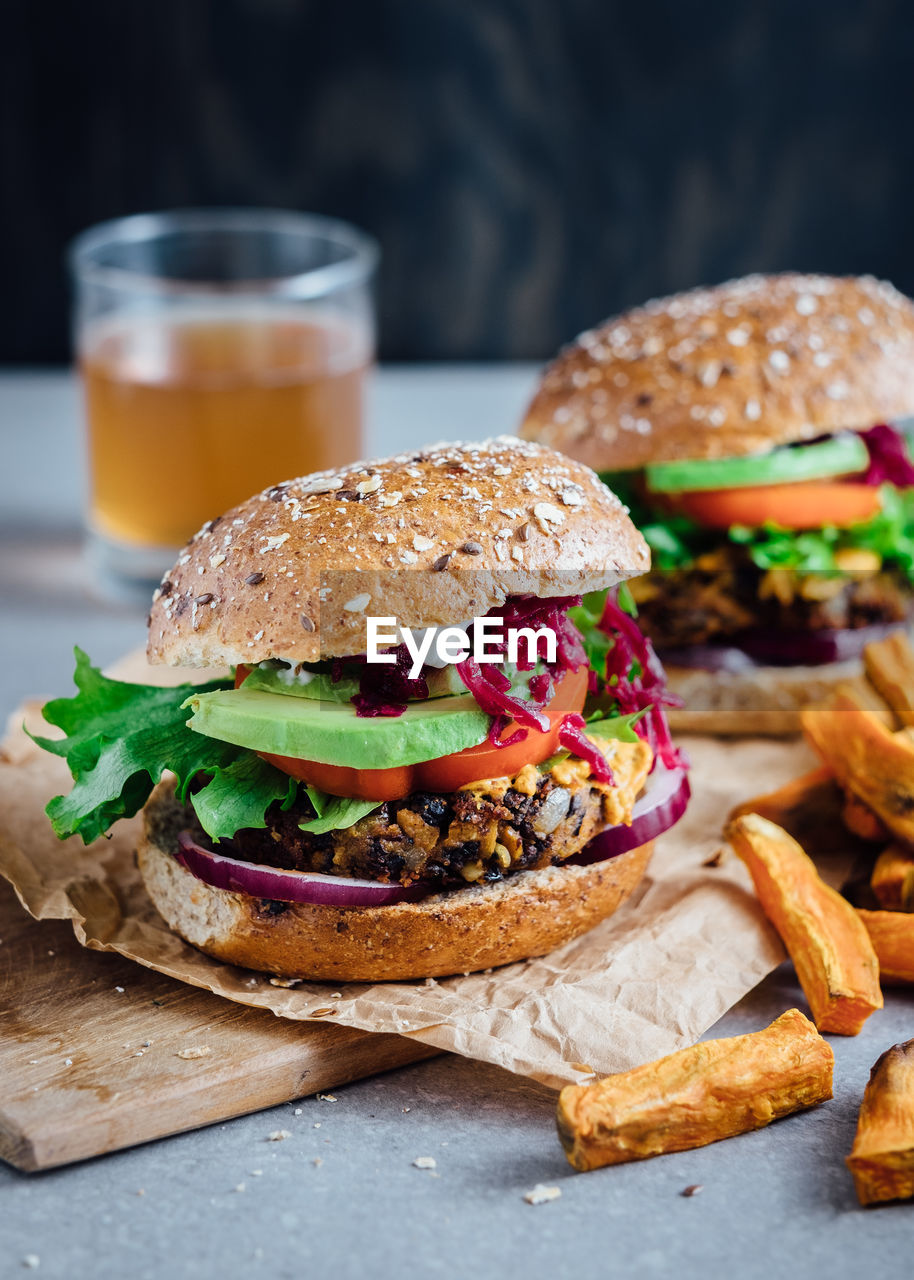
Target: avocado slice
(838,456)
(332,732)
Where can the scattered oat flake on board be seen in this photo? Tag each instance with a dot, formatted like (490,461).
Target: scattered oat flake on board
(198,1051)
(541,1194)
(279,1135)
(425,1162)
(327,1097)
(692,1190)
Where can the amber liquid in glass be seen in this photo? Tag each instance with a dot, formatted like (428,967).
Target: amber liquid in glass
(189,416)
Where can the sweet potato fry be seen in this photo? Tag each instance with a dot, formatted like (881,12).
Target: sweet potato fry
(809,807)
(882,1157)
(859,691)
(892,936)
(831,952)
(867,759)
(861,821)
(714,1090)
(889,666)
(892,880)
(782,806)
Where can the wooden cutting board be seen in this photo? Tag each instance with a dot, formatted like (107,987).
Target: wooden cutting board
(91,1045)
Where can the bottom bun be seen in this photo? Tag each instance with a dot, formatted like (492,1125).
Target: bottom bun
(458,931)
(758,702)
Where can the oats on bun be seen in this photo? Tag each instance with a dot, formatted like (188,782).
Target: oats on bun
(322,807)
(754,431)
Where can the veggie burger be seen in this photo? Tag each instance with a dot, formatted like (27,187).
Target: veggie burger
(749,429)
(432,736)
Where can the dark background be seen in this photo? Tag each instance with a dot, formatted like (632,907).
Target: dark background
(529,166)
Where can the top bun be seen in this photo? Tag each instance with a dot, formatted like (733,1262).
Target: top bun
(738,369)
(432,538)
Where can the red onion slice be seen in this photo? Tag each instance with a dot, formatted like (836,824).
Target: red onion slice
(663,803)
(810,648)
(708,657)
(762,646)
(889,459)
(258,881)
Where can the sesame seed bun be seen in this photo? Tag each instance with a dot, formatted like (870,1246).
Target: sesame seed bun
(433,538)
(475,927)
(729,371)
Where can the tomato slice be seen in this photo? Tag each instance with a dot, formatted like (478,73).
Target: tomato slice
(809,504)
(448,772)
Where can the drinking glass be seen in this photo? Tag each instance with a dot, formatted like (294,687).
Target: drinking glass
(221,351)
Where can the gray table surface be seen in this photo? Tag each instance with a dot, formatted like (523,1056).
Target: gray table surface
(777,1202)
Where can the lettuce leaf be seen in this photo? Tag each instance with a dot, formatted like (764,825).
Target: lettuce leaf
(335,813)
(239,795)
(120,738)
(890,534)
(586,617)
(605,724)
(622,728)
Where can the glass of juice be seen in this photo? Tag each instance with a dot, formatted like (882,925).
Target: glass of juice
(221,350)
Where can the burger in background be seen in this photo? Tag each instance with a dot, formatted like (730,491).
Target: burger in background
(754,431)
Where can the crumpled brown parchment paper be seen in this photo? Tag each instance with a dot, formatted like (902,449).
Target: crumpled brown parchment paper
(690,942)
